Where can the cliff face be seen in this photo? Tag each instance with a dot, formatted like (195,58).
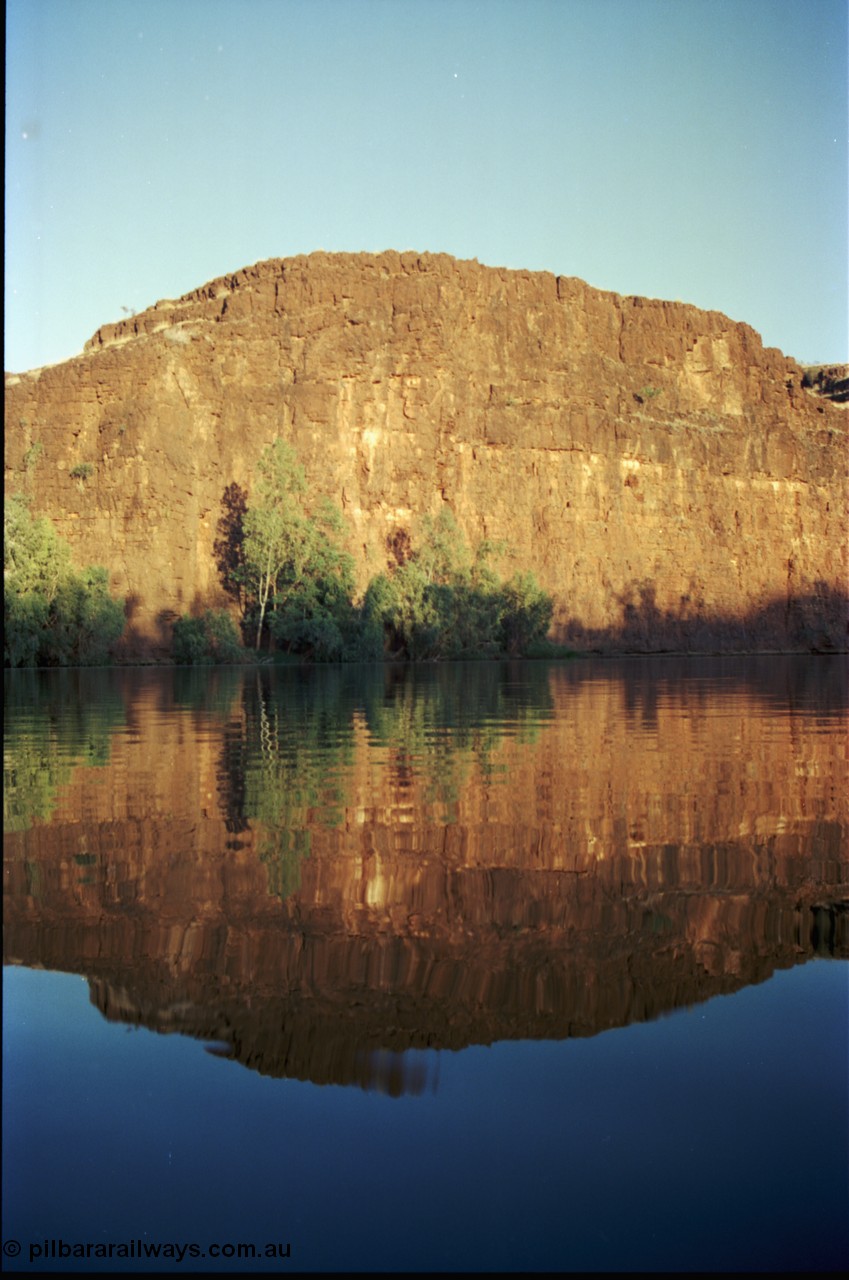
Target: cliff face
(672,482)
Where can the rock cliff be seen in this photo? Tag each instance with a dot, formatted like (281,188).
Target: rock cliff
(673,483)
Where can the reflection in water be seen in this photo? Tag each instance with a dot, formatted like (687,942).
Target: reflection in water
(319,871)
(53,724)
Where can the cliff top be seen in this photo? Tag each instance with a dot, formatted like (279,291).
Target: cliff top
(350,279)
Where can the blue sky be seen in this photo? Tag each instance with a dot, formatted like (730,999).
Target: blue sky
(689,149)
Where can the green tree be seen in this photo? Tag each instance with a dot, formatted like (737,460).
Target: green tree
(25,618)
(446,601)
(271,525)
(85,620)
(376,620)
(431,594)
(296,574)
(526,613)
(53,615)
(35,559)
(211,638)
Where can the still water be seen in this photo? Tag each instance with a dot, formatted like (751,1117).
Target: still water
(473,966)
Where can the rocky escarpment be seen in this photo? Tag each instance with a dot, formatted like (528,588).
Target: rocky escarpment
(673,483)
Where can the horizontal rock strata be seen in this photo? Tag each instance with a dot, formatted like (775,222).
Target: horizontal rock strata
(673,483)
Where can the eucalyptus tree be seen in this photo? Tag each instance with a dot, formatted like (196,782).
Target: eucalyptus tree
(294,568)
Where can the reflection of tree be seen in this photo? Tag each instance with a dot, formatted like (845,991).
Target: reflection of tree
(442,720)
(53,721)
(298,743)
(546,941)
(289,741)
(211,690)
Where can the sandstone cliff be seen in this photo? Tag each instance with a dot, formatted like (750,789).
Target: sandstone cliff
(672,482)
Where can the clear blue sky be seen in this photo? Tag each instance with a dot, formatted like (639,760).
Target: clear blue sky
(690,149)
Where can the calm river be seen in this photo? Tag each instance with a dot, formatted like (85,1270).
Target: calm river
(511,966)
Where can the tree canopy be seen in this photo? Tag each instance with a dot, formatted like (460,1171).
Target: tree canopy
(438,598)
(297,576)
(445,600)
(52,614)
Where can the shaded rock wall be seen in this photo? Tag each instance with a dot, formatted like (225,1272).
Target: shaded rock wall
(831,381)
(672,482)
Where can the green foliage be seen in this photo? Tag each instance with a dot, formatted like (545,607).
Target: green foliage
(188,641)
(81,472)
(445,601)
(376,612)
(52,615)
(526,614)
(224,639)
(25,618)
(213,637)
(549,650)
(441,600)
(32,455)
(85,621)
(297,578)
(35,558)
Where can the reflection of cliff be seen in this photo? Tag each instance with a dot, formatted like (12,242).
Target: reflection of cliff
(560,853)
(323,1005)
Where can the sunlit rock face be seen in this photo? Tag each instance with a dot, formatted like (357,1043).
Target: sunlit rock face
(610,849)
(673,484)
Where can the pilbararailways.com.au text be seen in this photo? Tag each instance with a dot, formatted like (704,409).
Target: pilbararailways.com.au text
(54,1250)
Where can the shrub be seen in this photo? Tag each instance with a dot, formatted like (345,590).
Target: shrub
(53,616)
(207,639)
(81,472)
(84,621)
(317,636)
(526,615)
(444,601)
(375,631)
(188,641)
(24,625)
(32,455)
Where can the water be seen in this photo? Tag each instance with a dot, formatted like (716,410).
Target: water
(494,966)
